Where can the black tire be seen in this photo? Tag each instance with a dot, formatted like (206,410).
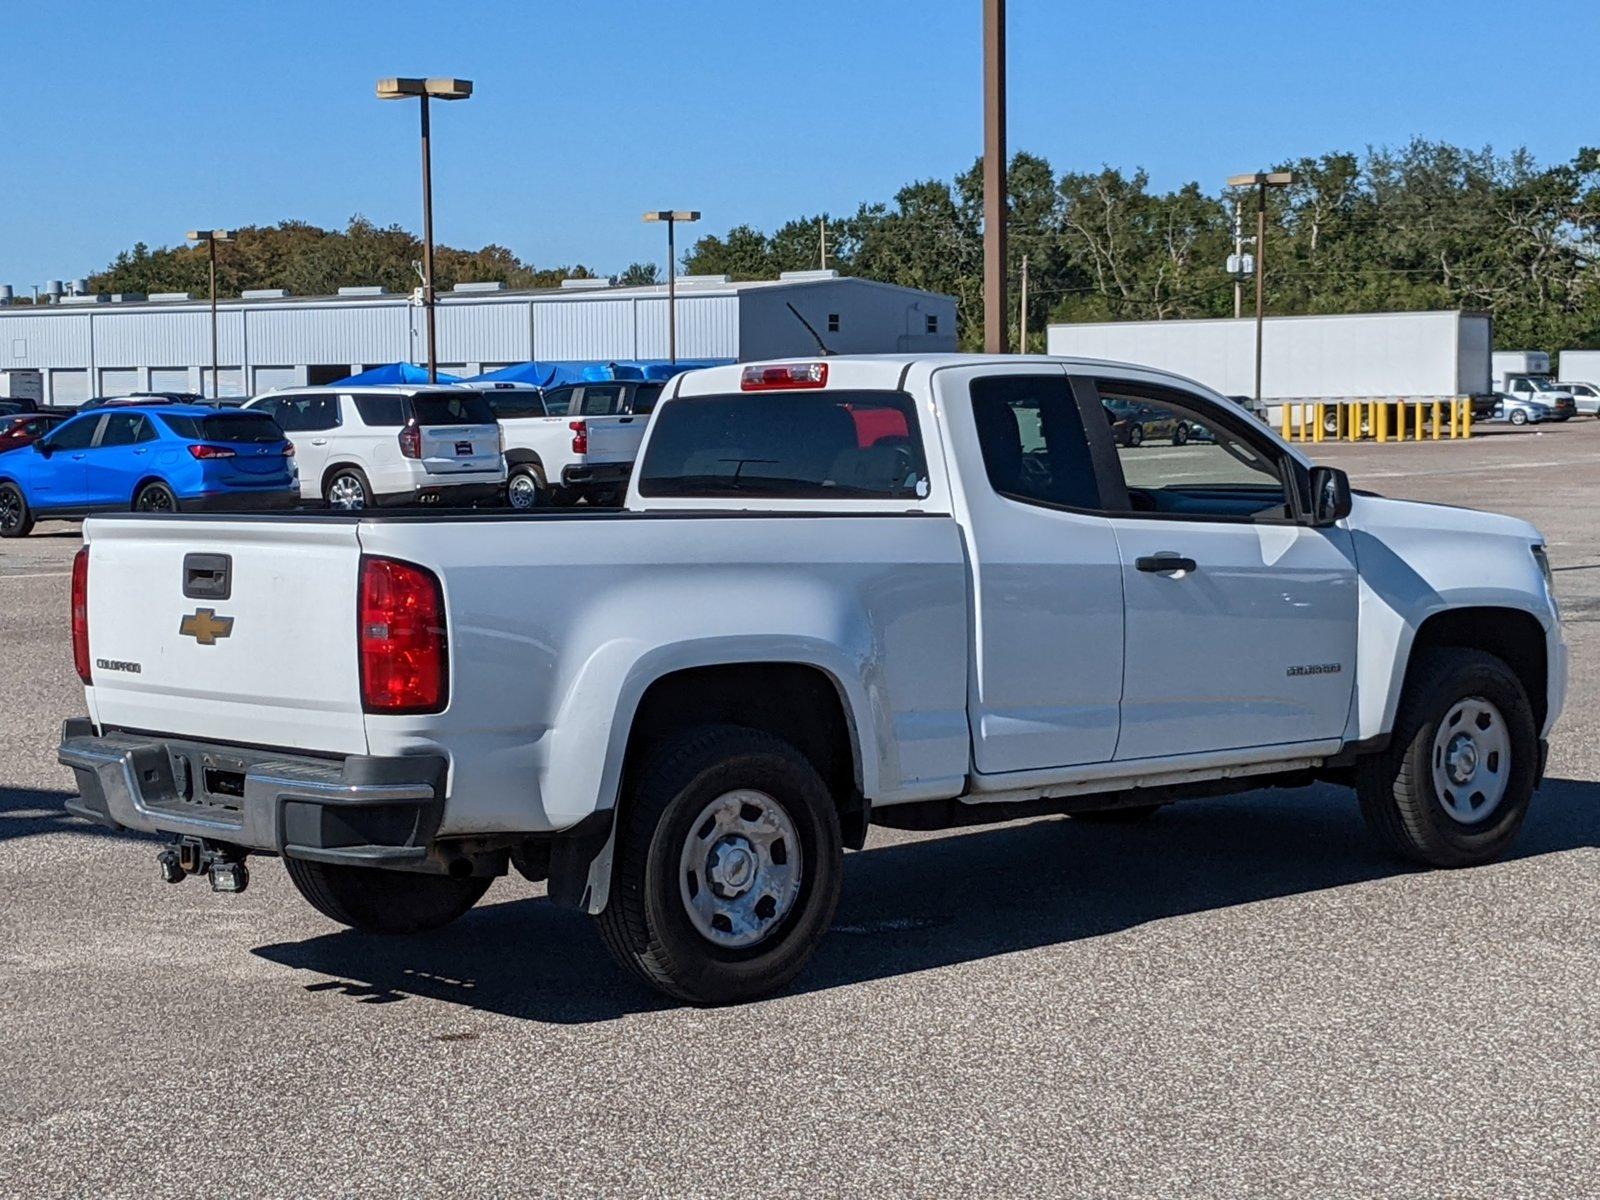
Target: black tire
(526,488)
(16,518)
(350,485)
(1399,799)
(1135,435)
(1131,815)
(1180,435)
(377,901)
(646,923)
(155,498)
(1518,417)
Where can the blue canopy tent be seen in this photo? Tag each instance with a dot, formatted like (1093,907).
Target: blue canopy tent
(402,372)
(548,373)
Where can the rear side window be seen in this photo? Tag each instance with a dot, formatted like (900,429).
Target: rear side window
(510,406)
(452,408)
(1030,431)
(558,401)
(789,445)
(303,414)
(382,411)
(602,400)
(126,429)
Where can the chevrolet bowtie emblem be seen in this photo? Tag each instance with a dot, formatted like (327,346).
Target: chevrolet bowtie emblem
(205,627)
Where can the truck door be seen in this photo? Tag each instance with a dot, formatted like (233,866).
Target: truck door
(1046,672)
(1241,618)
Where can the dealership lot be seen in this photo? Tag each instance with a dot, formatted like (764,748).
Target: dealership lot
(1240,997)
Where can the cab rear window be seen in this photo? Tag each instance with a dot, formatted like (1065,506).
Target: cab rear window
(801,446)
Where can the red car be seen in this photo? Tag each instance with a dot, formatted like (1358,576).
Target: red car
(21,428)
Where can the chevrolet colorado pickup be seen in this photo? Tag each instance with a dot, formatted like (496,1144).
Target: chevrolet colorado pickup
(915,591)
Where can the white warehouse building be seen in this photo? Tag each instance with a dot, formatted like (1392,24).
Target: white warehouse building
(98,345)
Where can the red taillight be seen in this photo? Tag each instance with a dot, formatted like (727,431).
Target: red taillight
(411,442)
(404,659)
(784,375)
(580,436)
(80,613)
(288,449)
(202,451)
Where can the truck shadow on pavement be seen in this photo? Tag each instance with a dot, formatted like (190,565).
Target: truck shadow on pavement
(933,901)
(30,812)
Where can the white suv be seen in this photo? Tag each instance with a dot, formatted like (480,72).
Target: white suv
(399,444)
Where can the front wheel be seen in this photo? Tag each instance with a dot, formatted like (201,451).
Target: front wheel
(1455,783)
(16,520)
(1180,435)
(727,867)
(1136,435)
(373,900)
(155,498)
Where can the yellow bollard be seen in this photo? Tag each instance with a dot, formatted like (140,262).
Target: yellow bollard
(1372,419)
(1466,417)
(1418,428)
(1305,410)
(1318,412)
(1455,415)
(1381,428)
(1400,420)
(1286,429)
(1436,419)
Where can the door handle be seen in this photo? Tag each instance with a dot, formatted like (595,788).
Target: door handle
(319,441)
(1165,561)
(141,452)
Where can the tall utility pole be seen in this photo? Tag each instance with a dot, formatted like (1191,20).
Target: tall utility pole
(211,237)
(671,217)
(1261,181)
(822,242)
(425,90)
(1022,311)
(995,314)
(1238,254)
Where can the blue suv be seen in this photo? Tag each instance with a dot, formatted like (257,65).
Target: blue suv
(149,458)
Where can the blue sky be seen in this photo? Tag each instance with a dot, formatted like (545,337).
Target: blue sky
(156,117)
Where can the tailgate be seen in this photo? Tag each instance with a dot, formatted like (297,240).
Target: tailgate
(263,654)
(614,439)
(447,449)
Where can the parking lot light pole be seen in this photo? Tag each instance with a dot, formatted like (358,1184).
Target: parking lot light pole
(672,217)
(425,90)
(211,237)
(1261,181)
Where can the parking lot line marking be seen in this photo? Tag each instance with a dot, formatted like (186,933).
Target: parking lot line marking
(39,575)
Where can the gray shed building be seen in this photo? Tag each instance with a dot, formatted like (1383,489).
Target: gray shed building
(110,345)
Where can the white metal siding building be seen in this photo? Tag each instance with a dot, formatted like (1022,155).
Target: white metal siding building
(100,346)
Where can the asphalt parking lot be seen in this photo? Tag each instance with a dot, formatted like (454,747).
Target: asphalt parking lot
(1241,997)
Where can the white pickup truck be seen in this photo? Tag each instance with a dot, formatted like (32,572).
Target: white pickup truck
(912,591)
(569,443)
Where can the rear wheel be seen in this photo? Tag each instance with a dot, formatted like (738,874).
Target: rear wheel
(348,489)
(1518,417)
(1455,783)
(1135,435)
(1180,435)
(378,901)
(727,867)
(155,498)
(16,519)
(526,487)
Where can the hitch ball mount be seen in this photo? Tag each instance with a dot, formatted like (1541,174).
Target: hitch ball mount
(223,864)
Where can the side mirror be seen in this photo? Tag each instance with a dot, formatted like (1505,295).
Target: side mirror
(40,446)
(1330,495)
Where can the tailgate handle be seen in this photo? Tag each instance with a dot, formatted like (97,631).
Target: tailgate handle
(207,576)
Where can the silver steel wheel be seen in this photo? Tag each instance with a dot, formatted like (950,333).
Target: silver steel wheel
(1471,760)
(346,492)
(523,491)
(740,870)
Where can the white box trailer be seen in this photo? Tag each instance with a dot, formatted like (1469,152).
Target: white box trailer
(1355,356)
(1579,366)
